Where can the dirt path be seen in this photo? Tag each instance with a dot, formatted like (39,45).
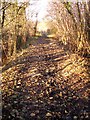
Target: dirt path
(37,87)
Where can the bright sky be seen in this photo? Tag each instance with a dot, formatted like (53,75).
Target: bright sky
(40,7)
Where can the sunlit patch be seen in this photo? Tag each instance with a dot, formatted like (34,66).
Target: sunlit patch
(42,26)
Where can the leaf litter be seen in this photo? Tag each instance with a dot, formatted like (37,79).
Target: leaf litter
(45,82)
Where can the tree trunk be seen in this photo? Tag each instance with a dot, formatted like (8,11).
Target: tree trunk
(15,34)
(9,46)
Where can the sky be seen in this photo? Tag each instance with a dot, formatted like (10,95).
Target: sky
(37,6)
(40,7)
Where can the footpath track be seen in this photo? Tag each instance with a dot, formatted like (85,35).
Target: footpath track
(45,82)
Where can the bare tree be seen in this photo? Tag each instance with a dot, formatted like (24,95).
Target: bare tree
(71,22)
(13,22)
(36,23)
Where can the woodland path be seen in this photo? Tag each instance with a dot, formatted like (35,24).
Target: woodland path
(45,83)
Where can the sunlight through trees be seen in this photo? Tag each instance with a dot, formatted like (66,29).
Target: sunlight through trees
(45,59)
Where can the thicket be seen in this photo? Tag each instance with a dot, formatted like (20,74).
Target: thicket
(15,28)
(72,23)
